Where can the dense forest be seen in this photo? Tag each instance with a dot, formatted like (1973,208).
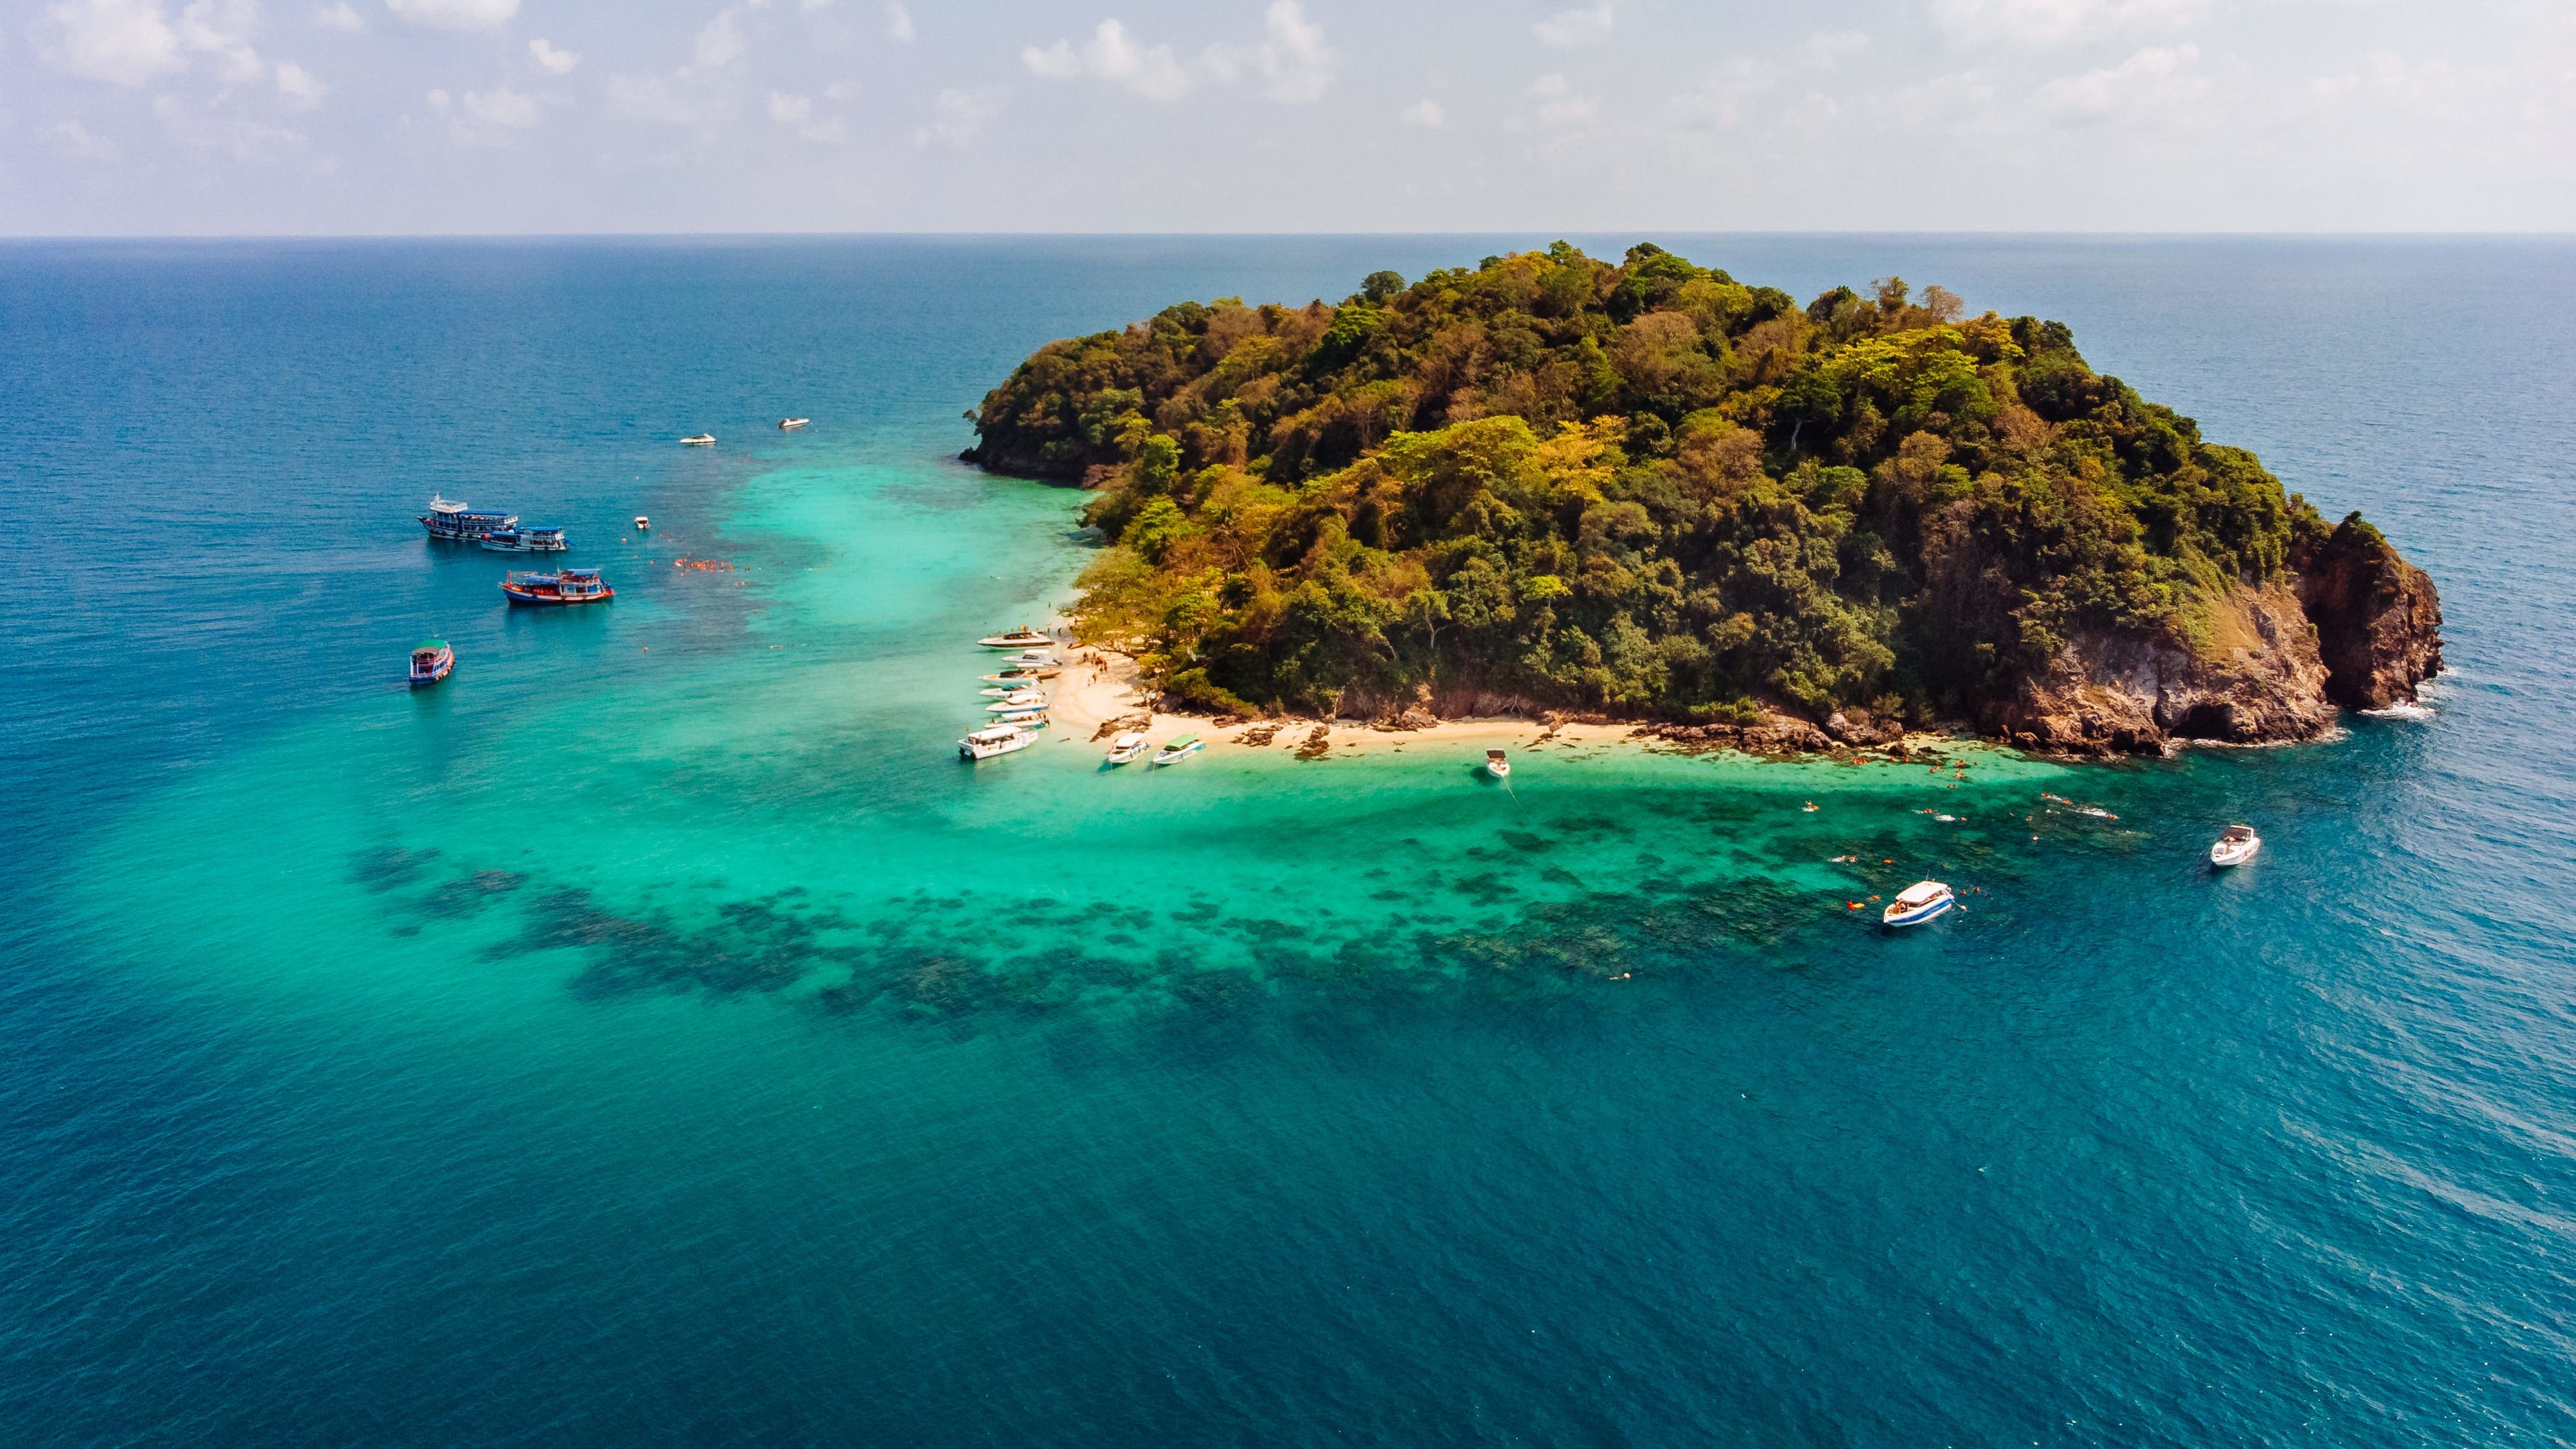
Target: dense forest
(1646,489)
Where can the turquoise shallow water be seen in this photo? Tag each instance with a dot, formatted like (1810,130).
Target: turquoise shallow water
(654,1034)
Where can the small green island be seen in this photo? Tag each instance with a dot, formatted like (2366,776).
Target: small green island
(1649,491)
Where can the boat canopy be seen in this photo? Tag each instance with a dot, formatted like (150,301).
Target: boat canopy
(1921,893)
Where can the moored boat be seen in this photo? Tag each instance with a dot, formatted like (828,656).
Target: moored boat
(1014,703)
(566,586)
(1018,638)
(1031,659)
(1496,765)
(450,519)
(642,524)
(1178,748)
(1021,676)
(1126,747)
(1918,903)
(431,661)
(984,744)
(525,540)
(2235,846)
(700,440)
(789,425)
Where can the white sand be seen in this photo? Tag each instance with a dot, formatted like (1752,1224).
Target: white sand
(1099,686)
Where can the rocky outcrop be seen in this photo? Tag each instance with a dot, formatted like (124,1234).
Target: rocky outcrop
(1772,734)
(2249,674)
(2378,621)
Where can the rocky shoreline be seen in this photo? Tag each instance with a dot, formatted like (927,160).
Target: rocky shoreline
(2348,625)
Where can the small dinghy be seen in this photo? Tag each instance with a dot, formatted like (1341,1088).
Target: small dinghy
(2235,846)
(1918,903)
(1019,638)
(1178,749)
(789,425)
(700,440)
(999,740)
(1126,747)
(431,661)
(1497,766)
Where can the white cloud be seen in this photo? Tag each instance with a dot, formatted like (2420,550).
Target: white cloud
(300,87)
(798,112)
(438,101)
(1292,61)
(454,14)
(1567,29)
(79,143)
(958,117)
(1829,50)
(222,31)
(899,23)
(720,43)
(1149,71)
(503,107)
(2154,84)
(218,128)
(340,17)
(2054,22)
(1722,99)
(1426,113)
(122,42)
(552,60)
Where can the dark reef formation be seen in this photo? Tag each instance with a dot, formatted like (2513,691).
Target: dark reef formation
(1649,491)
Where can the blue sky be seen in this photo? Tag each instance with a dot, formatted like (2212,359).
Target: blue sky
(508,116)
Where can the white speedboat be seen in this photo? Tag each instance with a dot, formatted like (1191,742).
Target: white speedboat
(1014,703)
(1126,747)
(789,425)
(2235,846)
(1497,766)
(1019,638)
(1030,659)
(984,744)
(1179,748)
(1021,676)
(642,524)
(700,440)
(1918,903)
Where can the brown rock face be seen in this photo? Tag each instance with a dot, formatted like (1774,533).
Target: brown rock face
(2252,677)
(2378,621)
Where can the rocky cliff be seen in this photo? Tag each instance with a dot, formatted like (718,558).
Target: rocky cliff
(2378,621)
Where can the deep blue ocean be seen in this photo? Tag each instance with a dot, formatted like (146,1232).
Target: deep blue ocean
(653,1035)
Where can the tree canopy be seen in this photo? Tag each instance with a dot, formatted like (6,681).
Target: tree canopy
(1645,488)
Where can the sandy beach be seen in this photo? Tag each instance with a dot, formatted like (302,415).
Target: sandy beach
(1097,695)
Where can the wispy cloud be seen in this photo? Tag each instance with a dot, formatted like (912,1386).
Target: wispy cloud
(454,14)
(551,59)
(1426,113)
(1292,61)
(2053,22)
(899,23)
(958,117)
(340,16)
(1569,29)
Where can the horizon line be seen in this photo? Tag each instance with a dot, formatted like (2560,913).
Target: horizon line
(930,234)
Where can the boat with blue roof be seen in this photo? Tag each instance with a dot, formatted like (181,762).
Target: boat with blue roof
(463,523)
(564,586)
(525,540)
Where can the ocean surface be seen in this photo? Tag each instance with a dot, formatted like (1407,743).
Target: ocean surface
(655,1035)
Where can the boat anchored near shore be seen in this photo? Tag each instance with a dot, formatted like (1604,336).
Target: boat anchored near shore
(449,519)
(1018,638)
(1918,903)
(2235,846)
(525,540)
(984,744)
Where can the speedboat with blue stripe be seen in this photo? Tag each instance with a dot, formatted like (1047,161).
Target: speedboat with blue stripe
(1919,902)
